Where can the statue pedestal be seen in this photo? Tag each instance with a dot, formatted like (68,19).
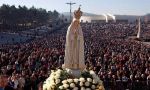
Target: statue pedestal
(74,72)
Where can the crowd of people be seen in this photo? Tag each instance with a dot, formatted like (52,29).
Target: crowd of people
(119,62)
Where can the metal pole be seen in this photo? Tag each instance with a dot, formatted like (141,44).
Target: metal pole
(70,12)
(70,3)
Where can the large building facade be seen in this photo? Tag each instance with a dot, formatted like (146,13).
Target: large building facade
(98,18)
(105,18)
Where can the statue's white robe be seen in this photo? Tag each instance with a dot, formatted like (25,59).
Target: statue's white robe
(74,48)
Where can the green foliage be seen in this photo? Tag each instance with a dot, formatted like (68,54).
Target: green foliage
(64,75)
(86,74)
(23,16)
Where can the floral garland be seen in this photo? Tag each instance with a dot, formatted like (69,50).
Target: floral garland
(61,80)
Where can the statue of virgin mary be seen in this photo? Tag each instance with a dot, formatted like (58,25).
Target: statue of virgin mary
(74,47)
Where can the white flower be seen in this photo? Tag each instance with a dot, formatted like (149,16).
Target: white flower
(93,86)
(52,71)
(87,89)
(66,86)
(92,72)
(44,87)
(51,78)
(61,87)
(52,84)
(70,80)
(75,88)
(59,70)
(89,79)
(97,78)
(82,80)
(64,81)
(82,88)
(72,85)
(87,83)
(81,83)
(100,82)
(57,81)
(76,80)
(52,74)
(94,76)
(49,87)
(94,81)
(57,76)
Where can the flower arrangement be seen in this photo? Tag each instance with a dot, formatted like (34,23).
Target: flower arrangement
(61,80)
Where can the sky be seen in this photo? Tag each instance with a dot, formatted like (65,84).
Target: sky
(121,7)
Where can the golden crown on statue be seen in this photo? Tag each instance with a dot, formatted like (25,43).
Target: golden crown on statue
(78,13)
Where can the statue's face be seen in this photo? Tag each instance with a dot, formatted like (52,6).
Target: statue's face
(76,23)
